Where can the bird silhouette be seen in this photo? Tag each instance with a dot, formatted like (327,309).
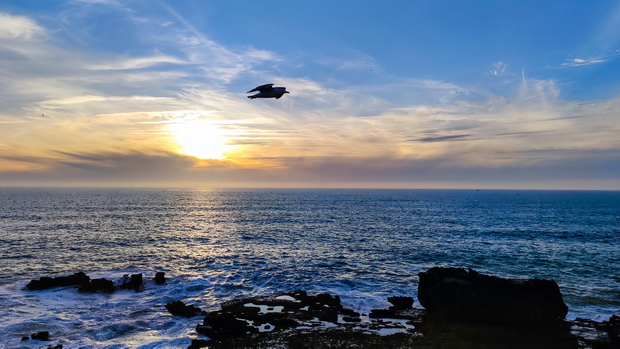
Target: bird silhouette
(268,91)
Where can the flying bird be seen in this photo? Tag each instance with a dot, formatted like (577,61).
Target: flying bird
(268,91)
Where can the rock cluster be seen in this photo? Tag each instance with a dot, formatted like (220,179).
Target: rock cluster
(242,317)
(85,284)
(462,309)
(44,283)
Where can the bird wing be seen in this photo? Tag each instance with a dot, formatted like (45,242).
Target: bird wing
(262,88)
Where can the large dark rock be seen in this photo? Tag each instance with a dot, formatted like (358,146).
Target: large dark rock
(460,295)
(44,283)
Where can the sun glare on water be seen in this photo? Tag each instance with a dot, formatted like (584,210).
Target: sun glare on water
(201,139)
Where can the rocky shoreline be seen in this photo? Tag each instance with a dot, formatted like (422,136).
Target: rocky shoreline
(461,309)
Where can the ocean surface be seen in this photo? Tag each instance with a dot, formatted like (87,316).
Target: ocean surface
(216,245)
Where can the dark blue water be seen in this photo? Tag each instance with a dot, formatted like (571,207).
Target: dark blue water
(214,245)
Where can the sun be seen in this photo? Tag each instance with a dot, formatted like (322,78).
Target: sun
(202,139)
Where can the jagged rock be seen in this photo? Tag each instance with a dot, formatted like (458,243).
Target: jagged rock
(401,303)
(179,308)
(160,278)
(42,336)
(134,283)
(44,283)
(457,294)
(98,285)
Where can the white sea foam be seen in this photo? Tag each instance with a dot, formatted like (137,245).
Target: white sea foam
(264,309)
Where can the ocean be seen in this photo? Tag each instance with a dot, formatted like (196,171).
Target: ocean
(218,244)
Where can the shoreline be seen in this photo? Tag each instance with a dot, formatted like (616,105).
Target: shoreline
(321,320)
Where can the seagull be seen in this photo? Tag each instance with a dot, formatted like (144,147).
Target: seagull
(268,91)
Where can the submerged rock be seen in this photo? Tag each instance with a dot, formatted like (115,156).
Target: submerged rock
(44,283)
(460,295)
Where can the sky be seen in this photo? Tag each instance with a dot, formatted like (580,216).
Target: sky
(394,94)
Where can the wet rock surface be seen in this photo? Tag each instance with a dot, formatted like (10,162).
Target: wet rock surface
(259,322)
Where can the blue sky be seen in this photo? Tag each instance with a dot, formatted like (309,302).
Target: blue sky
(441,94)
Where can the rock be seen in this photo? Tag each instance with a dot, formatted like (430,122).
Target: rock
(407,314)
(221,325)
(612,328)
(98,285)
(44,283)
(160,278)
(42,336)
(134,283)
(272,314)
(179,308)
(198,343)
(401,303)
(460,295)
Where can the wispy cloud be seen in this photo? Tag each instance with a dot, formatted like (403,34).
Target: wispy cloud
(578,62)
(500,69)
(137,63)
(18,27)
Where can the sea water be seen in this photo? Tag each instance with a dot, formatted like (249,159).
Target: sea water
(217,245)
